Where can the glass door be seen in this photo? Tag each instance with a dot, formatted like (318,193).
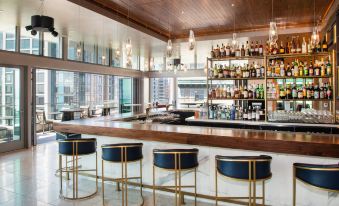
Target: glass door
(10,109)
(125,95)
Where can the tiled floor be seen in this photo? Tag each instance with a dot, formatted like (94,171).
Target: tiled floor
(27,178)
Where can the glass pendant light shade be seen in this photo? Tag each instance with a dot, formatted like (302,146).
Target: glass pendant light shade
(129,47)
(234,40)
(117,53)
(79,50)
(273,33)
(169,48)
(315,36)
(191,40)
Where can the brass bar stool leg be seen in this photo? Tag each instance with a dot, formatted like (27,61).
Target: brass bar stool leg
(96,171)
(153,185)
(254,184)
(176,179)
(181,198)
(122,179)
(125,179)
(77,172)
(141,177)
(60,169)
(294,188)
(263,192)
(73,170)
(216,184)
(67,173)
(102,180)
(195,186)
(250,184)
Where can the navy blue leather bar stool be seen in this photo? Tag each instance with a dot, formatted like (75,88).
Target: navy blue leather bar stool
(176,160)
(324,177)
(244,168)
(123,154)
(74,148)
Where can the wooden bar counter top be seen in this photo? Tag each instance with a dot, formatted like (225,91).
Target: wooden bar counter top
(313,144)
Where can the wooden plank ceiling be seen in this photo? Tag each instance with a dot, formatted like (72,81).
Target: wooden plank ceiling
(173,18)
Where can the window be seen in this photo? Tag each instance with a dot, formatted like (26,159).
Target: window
(52,46)
(40,77)
(40,100)
(162,90)
(191,90)
(9,89)
(29,44)
(40,89)
(89,53)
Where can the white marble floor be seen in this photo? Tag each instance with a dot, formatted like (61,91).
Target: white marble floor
(27,178)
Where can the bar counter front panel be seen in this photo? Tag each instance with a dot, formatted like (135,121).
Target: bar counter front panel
(285,148)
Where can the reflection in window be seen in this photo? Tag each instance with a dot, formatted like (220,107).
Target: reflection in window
(29,44)
(52,46)
(89,53)
(7,39)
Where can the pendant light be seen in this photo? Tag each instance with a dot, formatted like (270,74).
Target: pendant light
(117,52)
(273,32)
(315,33)
(234,36)
(79,46)
(103,50)
(169,47)
(191,40)
(128,45)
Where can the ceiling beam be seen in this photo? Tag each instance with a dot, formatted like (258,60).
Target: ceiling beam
(117,13)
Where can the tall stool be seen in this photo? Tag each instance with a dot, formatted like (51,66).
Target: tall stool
(123,154)
(244,168)
(176,160)
(324,177)
(74,148)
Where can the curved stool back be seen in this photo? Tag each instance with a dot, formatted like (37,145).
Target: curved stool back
(244,168)
(176,160)
(123,154)
(75,148)
(325,177)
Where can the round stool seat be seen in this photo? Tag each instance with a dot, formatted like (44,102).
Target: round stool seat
(77,146)
(322,176)
(238,166)
(165,158)
(112,152)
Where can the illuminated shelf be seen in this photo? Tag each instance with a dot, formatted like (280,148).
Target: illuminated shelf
(236,58)
(300,77)
(238,99)
(315,100)
(274,56)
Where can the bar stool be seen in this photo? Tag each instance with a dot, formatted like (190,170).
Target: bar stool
(176,160)
(123,154)
(244,168)
(74,148)
(324,177)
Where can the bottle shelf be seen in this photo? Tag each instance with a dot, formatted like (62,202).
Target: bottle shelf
(294,55)
(301,77)
(236,99)
(236,58)
(235,78)
(314,100)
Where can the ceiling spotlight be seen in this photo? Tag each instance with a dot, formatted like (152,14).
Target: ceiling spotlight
(42,24)
(33,32)
(54,33)
(28,28)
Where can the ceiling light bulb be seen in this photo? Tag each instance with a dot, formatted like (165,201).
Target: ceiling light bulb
(315,37)
(234,40)
(103,57)
(129,46)
(273,33)
(169,48)
(117,53)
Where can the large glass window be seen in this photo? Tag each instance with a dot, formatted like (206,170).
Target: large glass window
(29,44)
(90,53)
(161,90)
(7,38)
(52,46)
(103,55)
(187,56)
(191,91)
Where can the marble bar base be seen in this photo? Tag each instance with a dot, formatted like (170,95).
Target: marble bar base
(278,188)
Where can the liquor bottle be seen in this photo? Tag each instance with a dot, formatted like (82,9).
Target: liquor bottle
(261,49)
(288,70)
(300,93)
(252,49)
(288,46)
(247,49)
(282,69)
(261,92)
(318,47)
(322,94)
(256,49)
(328,69)
(222,50)
(258,71)
(311,69)
(304,89)
(308,92)
(282,93)
(296,69)
(215,71)
(245,92)
(242,50)
(233,51)
(294,92)
(316,92)
(304,46)
(309,47)
(253,114)
(245,117)
(282,49)
(217,52)
(227,50)
(322,70)
(212,53)
(293,46)
(316,69)
(253,72)
(329,92)
(288,92)
(324,45)
(237,52)
(301,69)
(249,113)
(257,114)
(305,69)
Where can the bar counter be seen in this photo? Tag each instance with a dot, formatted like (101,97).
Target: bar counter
(312,144)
